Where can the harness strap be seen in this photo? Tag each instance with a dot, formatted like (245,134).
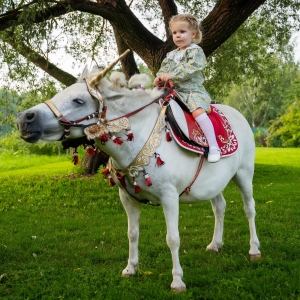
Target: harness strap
(164,95)
(148,145)
(53,108)
(121,179)
(188,188)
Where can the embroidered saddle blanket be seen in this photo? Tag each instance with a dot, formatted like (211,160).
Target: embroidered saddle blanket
(188,134)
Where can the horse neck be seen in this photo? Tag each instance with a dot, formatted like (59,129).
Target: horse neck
(142,124)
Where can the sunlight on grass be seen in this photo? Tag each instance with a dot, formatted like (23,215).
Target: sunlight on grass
(35,164)
(278,156)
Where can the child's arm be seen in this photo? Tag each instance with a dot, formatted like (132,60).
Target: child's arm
(195,63)
(162,75)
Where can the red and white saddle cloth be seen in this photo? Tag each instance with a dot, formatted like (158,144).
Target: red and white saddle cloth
(188,134)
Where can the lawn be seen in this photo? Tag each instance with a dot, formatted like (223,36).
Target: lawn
(65,237)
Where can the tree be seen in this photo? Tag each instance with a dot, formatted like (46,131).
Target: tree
(36,29)
(8,109)
(262,98)
(285,130)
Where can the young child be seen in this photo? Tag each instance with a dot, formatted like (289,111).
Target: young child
(184,66)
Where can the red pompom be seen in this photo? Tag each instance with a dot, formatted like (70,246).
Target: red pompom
(130,136)
(137,189)
(168,136)
(148,180)
(90,151)
(117,140)
(159,161)
(105,172)
(75,158)
(104,137)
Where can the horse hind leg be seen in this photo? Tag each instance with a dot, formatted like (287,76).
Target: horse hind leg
(218,205)
(243,180)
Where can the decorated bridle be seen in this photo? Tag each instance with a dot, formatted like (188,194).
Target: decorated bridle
(67,124)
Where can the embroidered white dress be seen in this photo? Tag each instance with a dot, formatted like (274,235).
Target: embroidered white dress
(186,69)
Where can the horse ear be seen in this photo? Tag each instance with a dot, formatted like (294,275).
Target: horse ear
(84,73)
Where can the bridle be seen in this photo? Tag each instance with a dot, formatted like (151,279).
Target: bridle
(67,124)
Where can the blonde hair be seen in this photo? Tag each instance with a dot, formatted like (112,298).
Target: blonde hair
(193,25)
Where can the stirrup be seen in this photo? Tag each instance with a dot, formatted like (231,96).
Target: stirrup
(213,158)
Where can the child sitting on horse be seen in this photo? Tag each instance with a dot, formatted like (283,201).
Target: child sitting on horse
(184,66)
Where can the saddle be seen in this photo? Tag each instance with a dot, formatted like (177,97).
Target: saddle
(187,133)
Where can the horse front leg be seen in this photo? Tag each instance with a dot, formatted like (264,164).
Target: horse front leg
(132,208)
(171,212)
(218,205)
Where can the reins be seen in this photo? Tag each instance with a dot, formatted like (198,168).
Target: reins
(165,94)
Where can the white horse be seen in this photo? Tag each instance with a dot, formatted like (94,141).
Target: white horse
(135,158)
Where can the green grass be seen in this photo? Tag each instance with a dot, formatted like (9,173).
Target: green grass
(65,237)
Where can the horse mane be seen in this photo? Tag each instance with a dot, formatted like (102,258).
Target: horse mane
(134,88)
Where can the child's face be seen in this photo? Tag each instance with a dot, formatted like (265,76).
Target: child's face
(182,34)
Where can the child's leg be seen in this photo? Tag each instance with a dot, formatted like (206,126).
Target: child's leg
(208,129)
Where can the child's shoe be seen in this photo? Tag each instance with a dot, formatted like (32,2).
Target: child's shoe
(214,155)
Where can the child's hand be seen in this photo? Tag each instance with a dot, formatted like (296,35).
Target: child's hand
(165,77)
(158,81)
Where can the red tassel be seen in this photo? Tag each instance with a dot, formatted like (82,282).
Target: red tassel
(90,151)
(75,158)
(117,140)
(168,136)
(111,182)
(159,161)
(148,180)
(137,189)
(130,136)
(104,137)
(105,172)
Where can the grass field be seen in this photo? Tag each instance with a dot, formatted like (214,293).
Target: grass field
(63,238)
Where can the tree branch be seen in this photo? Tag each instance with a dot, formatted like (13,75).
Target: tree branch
(41,62)
(12,17)
(128,63)
(169,9)
(225,18)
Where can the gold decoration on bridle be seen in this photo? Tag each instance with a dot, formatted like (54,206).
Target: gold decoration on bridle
(101,75)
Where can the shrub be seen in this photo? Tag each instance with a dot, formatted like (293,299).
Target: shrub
(12,143)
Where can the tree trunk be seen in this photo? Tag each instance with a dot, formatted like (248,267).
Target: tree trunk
(128,63)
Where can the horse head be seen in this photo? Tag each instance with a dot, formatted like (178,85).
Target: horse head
(69,111)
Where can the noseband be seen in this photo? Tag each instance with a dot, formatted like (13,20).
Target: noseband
(68,124)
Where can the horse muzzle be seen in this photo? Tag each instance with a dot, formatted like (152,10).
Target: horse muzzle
(29,126)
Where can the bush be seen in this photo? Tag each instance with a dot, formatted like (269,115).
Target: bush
(12,143)
(285,131)
(260,135)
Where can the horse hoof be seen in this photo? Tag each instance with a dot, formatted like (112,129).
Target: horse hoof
(126,275)
(255,256)
(179,290)
(213,250)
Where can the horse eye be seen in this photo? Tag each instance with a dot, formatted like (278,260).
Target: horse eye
(78,101)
